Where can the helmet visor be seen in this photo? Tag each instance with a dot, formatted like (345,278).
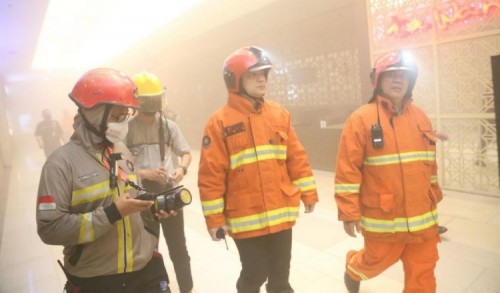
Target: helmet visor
(150,104)
(260,67)
(400,67)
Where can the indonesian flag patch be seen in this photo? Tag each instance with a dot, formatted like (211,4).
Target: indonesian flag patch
(46,203)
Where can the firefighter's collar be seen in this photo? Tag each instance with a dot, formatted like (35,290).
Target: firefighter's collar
(245,104)
(387,105)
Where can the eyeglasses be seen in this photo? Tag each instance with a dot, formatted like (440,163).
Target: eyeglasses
(397,74)
(119,118)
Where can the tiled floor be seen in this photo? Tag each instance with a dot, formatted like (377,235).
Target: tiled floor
(469,252)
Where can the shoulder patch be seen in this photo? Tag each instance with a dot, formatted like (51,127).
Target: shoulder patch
(206,141)
(233,129)
(46,203)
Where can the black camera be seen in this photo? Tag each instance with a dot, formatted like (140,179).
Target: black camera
(171,199)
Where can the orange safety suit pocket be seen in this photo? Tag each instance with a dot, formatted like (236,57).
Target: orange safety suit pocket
(290,189)
(243,201)
(429,136)
(383,201)
(282,135)
(292,194)
(387,202)
(434,197)
(238,142)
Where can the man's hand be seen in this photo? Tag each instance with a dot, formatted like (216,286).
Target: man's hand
(349,227)
(213,232)
(126,204)
(178,174)
(309,208)
(161,214)
(158,175)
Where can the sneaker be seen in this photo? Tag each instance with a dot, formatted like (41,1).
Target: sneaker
(442,229)
(351,285)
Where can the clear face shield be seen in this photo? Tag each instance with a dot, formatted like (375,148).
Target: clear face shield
(150,104)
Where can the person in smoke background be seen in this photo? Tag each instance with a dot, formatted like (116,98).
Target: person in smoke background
(48,133)
(158,145)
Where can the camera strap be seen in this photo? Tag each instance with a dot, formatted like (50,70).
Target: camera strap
(162,139)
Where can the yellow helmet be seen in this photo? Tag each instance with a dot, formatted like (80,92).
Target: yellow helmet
(149,91)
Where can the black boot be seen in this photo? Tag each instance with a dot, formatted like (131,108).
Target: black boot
(351,285)
(442,229)
(286,290)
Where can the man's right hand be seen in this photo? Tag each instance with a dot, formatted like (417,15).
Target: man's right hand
(127,205)
(158,175)
(349,227)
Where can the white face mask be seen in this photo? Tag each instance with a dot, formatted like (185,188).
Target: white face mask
(117,131)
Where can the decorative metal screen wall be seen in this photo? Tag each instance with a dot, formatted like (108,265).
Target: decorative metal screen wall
(326,79)
(453,42)
(320,69)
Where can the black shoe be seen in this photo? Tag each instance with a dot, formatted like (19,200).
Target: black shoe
(442,229)
(286,290)
(351,285)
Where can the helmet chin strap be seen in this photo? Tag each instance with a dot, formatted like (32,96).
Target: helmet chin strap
(257,101)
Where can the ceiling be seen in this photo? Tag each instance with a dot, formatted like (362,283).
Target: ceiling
(73,26)
(20,25)
(26,91)
(21,22)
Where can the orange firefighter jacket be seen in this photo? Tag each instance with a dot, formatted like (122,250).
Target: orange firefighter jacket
(253,170)
(392,190)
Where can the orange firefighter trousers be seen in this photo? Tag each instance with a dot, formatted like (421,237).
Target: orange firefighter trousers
(419,261)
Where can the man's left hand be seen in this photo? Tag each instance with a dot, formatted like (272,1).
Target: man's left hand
(178,174)
(161,214)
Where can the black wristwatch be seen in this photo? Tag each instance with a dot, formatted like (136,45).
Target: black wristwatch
(185,169)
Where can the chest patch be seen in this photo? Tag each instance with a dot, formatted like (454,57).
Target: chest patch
(87,176)
(233,129)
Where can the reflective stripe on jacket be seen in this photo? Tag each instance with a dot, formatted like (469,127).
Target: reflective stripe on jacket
(253,170)
(392,190)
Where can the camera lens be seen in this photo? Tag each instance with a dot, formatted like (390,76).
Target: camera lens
(173,201)
(185,196)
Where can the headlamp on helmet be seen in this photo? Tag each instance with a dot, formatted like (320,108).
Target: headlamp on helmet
(396,60)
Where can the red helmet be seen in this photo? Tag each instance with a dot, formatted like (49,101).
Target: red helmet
(241,61)
(396,60)
(104,86)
